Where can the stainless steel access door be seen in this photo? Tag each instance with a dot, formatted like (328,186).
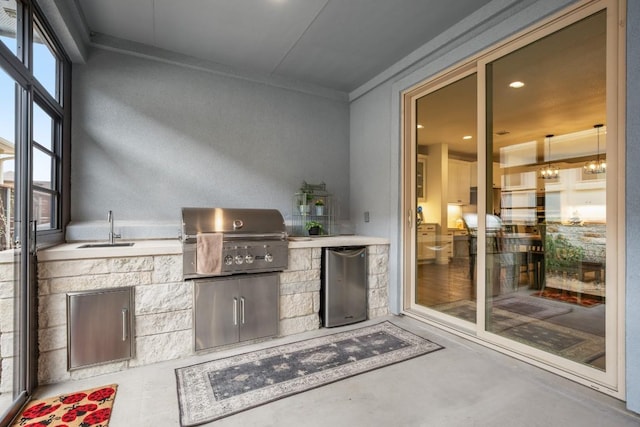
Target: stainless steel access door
(235,308)
(344,285)
(100,326)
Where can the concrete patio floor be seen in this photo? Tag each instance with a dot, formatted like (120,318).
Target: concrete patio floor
(465,384)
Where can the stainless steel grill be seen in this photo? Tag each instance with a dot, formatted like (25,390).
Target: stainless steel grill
(233,241)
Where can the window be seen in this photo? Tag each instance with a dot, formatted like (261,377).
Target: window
(9,25)
(44,176)
(45,62)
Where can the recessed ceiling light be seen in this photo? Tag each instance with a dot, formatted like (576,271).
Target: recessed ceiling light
(420,127)
(467,137)
(516,85)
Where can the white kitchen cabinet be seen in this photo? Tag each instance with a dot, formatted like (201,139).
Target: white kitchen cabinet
(427,242)
(448,243)
(496,178)
(231,309)
(459,182)
(421,178)
(473,174)
(99,326)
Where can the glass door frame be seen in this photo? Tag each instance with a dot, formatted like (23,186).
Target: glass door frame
(25,363)
(612,380)
(409,156)
(29,91)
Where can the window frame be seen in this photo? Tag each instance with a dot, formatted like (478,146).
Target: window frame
(20,67)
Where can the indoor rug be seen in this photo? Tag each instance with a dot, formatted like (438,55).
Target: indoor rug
(534,329)
(507,312)
(569,297)
(216,389)
(80,409)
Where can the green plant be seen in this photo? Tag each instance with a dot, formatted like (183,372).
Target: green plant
(305,197)
(319,202)
(561,255)
(311,224)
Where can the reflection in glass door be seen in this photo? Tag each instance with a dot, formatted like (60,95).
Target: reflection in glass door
(546,257)
(446,196)
(12,290)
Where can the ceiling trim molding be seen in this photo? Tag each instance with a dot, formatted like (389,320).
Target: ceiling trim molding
(114,44)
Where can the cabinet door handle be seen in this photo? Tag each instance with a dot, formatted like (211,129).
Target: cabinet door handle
(125,324)
(242,310)
(235,310)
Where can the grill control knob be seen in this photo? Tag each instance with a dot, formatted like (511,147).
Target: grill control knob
(268,257)
(228,260)
(239,259)
(248,259)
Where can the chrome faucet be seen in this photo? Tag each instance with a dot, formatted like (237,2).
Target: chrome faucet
(112,235)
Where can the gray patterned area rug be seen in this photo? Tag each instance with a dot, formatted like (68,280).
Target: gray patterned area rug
(216,389)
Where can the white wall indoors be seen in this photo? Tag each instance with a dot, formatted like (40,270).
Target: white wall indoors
(150,137)
(375,141)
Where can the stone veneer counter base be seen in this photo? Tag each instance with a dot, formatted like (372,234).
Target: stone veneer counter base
(164,301)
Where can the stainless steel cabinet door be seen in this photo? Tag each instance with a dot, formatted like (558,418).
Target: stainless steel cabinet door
(233,309)
(99,326)
(259,306)
(217,308)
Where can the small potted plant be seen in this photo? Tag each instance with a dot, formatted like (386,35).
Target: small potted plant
(303,203)
(313,227)
(319,207)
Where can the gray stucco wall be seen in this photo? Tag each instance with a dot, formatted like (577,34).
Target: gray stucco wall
(375,143)
(150,137)
(633,206)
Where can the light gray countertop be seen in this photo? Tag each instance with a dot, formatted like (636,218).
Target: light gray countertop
(323,241)
(69,251)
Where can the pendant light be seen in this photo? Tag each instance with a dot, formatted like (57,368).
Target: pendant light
(599,165)
(549,172)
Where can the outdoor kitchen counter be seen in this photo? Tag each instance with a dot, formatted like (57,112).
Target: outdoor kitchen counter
(68,251)
(333,241)
(163,300)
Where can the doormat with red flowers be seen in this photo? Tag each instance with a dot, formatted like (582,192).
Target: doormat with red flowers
(88,408)
(570,297)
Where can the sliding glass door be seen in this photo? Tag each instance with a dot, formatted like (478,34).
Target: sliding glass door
(511,166)
(446,164)
(34,121)
(546,264)
(13,289)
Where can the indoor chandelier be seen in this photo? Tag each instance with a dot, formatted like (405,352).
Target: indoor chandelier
(549,172)
(599,165)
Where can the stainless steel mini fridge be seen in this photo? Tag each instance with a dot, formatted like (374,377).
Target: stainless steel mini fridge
(343,297)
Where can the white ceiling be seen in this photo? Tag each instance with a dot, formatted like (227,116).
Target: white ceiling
(337,44)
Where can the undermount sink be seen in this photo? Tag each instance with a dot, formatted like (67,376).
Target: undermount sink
(105,245)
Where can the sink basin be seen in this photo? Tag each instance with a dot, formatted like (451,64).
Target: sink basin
(105,245)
